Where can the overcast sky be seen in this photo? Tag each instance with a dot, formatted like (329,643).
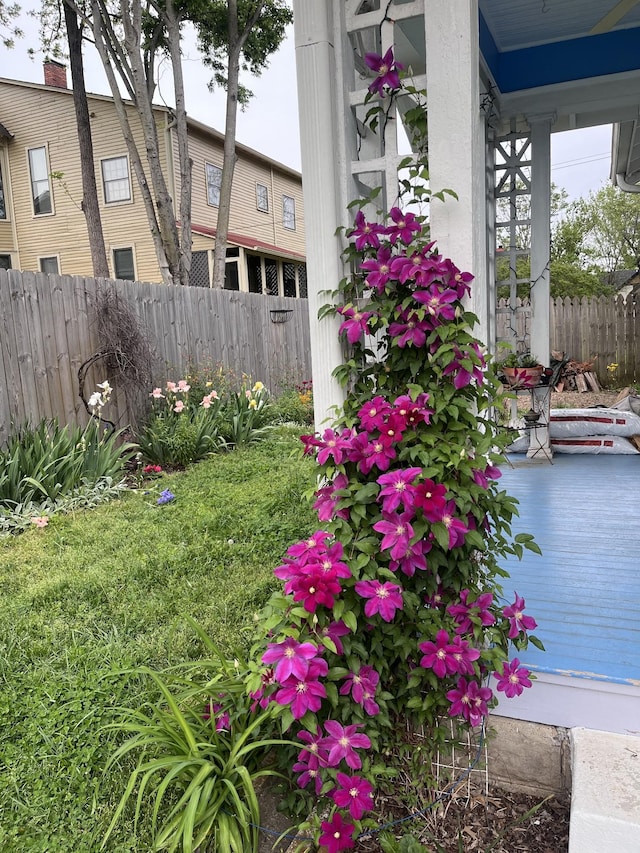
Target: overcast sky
(580,159)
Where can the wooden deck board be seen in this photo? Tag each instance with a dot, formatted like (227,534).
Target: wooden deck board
(584,591)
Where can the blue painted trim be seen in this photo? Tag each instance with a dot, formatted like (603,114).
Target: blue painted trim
(488,47)
(586,676)
(561,62)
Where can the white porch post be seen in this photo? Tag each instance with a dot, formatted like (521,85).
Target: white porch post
(540,234)
(319,132)
(456,129)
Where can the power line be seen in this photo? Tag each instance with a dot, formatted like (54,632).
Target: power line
(584,161)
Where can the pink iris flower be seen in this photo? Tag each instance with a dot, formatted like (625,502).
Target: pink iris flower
(383,598)
(517,620)
(354,794)
(513,679)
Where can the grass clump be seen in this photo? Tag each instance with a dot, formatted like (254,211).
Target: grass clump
(95,594)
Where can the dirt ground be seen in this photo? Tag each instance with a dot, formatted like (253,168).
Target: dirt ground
(501,822)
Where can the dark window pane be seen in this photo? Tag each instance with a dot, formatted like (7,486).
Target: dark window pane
(289,275)
(199,275)
(5,262)
(271,275)
(49,265)
(123,264)
(302,280)
(254,271)
(231,281)
(233,252)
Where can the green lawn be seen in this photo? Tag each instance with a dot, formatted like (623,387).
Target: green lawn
(102,591)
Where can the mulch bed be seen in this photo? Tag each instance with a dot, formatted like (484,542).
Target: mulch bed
(502,822)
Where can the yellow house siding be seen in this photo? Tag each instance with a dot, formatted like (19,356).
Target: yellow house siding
(44,116)
(64,232)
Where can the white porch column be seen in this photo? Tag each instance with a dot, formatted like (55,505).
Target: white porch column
(315,64)
(457,144)
(540,234)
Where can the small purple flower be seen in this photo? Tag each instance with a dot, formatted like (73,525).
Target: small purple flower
(354,324)
(397,488)
(290,657)
(366,234)
(438,655)
(387,70)
(469,700)
(354,794)
(517,620)
(513,679)
(405,225)
(337,835)
(166,497)
(342,742)
(383,598)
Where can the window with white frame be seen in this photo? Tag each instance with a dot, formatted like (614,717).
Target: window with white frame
(115,179)
(214,182)
(289,212)
(262,198)
(40,185)
(3,204)
(49,265)
(123,266)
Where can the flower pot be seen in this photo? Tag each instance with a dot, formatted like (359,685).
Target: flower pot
(523,377)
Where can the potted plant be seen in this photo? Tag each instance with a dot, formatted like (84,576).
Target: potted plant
(521,370)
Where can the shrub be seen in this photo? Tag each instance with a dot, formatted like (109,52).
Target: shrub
(295,405)
(182,428)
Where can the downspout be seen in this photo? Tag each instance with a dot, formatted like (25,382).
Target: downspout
(624,185)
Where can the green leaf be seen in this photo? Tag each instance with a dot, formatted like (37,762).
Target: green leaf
(349,619)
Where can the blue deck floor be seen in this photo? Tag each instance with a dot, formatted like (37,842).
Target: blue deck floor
(584,591)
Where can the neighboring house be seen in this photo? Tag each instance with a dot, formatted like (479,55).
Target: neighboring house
(42,227)
(623,281)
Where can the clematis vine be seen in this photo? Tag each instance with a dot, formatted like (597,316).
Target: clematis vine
(387,71)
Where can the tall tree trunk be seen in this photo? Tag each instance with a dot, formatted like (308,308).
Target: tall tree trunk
(236,43)
(184,160)
(90,206)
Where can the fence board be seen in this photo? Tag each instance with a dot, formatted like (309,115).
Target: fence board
(48,329)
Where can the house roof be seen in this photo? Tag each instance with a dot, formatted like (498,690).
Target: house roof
(192,123)
(249,243)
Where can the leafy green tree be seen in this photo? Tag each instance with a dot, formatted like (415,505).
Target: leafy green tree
(611,220)
(234,36)
(9,32)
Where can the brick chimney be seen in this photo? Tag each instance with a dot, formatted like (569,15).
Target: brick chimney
(55,74)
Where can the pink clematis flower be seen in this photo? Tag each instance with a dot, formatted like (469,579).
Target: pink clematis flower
(479,609)
(438,303)
(409,329)
(314,590)
(334,631)
(414,559)
(517,620)
(439,655)
(334,446)
(397,489)
(341,742)
(397,531)
(290,657)
(430,498)
(366,234)
(405,225)
(354,794)
(464,655)
(304,694)
(455,527)
(513,679)
(383,598)
(387,70)
(362,685)
(469,700)
(378,269)
(355,324)
(336,835)
(373,414)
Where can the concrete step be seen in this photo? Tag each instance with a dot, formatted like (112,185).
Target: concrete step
(605,796)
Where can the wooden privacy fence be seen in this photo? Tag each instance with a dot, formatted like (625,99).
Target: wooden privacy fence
(48,329)
(606,330)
